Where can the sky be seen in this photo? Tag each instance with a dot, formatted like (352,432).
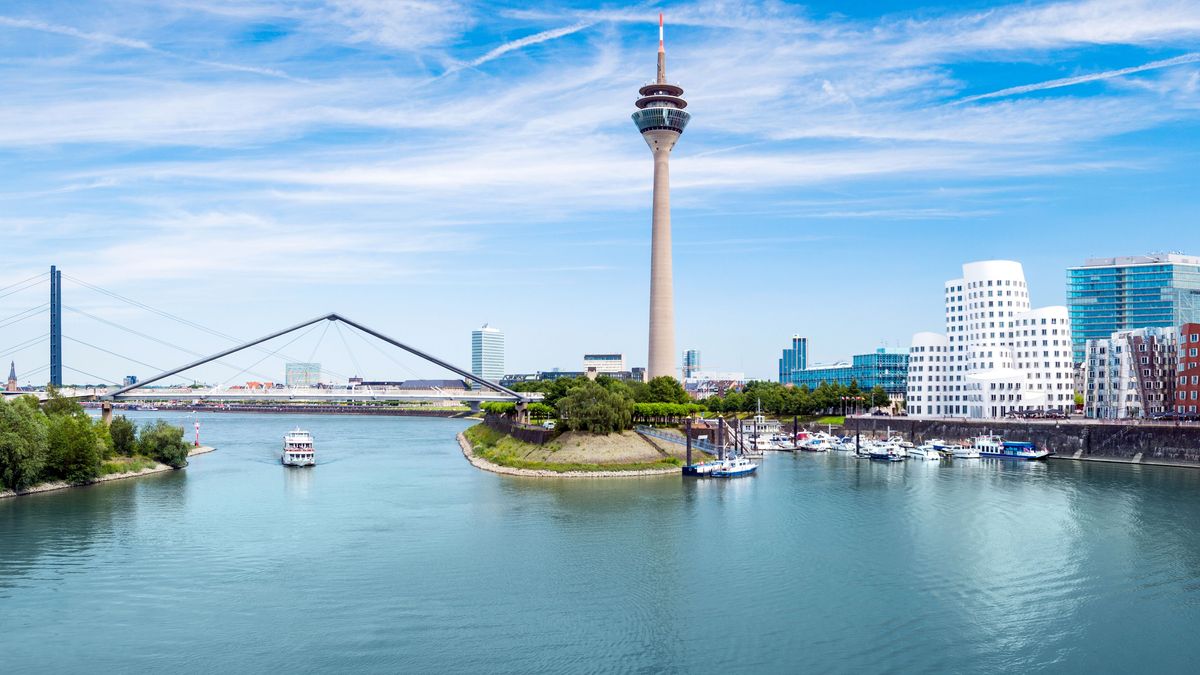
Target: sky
(425,167)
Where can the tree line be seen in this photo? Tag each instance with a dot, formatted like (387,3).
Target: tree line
(59,441)
(606,405)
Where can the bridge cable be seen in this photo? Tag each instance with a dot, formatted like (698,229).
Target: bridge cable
(112,353)
(186,322)
(22,346)
(35,279)
(81,372)
(154,339)
(386,355)
(274,353)
(28,314)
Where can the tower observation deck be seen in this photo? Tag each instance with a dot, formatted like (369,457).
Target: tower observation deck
(661,118)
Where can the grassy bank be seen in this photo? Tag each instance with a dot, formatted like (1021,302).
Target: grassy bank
(505,450)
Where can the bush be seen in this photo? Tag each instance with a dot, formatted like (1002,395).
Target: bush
(75,448)
(124,435)
(164,443)
(498,408)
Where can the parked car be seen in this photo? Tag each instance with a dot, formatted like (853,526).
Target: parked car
(548,424)
(882,413)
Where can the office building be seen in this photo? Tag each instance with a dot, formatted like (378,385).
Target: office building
(704,383)
(660,119)
(1106,295)
(691,362)
(1187,383)
(129,381)
(997,354)
(302,374)
(1131,374)
(794,358)
(880,368)
(487,353)
(603,363)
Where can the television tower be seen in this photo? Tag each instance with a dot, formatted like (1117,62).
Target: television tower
(660,118)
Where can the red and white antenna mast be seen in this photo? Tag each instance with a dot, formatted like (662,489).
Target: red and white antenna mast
(662,53)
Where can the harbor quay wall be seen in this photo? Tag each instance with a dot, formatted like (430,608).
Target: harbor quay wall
(324,410)
(1072,439)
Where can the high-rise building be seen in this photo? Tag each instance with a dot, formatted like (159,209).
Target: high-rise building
(487,353)
(997,355)
(603,363)
(129,381)
(691,362)
(11,385)
(1106,295)
(1131,374)
(794,358)
(302,374)
(661,119)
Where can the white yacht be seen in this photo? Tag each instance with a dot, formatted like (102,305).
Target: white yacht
(925,451)
(298,449)
(961,451)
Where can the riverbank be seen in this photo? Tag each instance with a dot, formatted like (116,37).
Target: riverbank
(614,456)
(387,411)
(62,485)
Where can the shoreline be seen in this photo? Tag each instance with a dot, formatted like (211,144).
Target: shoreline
(481,463)
(379,411)
(62,485)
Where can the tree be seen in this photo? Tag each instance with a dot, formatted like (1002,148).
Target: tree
(124,435)
(164,443)
(592,408)
(666,389)
(75,448)
(56,404)
(23,446)
(879,398)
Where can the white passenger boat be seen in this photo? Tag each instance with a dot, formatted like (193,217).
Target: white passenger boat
(994,446)
(298,449)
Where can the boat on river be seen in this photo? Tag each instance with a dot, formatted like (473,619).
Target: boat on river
(961,451)
(298,449)
(925,451)
(701,468)
(732,468)
(996,447)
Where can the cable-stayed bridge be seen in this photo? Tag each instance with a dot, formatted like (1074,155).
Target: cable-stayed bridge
(161,387)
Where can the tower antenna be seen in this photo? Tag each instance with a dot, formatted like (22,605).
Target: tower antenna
(662,53)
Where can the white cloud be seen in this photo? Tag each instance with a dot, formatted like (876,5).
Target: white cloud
(408,25)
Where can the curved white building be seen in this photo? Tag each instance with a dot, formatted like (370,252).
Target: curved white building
(997,355)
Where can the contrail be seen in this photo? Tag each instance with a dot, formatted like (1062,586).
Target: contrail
(1191,57)
(534,39)
(141,45)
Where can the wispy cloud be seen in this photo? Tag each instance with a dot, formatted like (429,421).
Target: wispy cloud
(1192,57)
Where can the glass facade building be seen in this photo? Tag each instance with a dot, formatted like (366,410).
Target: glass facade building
(1106,295)
(487,354)
(691,362)
(880,368)
(794,358)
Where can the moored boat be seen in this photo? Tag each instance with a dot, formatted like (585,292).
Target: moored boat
(732,468)
(996,447)
(701,468)
(298,449)
(961,451)
(925,451)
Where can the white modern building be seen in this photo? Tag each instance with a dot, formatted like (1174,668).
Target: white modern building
(603,363)
(487,353)
(1130,374)
(997,355)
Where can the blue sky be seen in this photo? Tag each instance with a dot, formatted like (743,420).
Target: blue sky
(428,166)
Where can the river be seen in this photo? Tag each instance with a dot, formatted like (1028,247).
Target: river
(396,555)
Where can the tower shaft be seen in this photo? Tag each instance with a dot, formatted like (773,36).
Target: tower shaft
(55,326)
(662,286)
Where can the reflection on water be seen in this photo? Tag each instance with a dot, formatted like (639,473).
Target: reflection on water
(395,555)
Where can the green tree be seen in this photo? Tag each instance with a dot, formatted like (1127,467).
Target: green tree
(666,389)
(75,448)
(56,404)
(23,445)
(124,435)
(164,443)
(879,398)
(592,408)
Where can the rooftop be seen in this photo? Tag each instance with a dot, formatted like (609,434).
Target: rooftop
(1149,259)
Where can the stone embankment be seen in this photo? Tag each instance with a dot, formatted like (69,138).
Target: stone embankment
(481,463)
(1133,442)
(62,485)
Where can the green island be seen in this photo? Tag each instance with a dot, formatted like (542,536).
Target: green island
(586,426)
(52,444)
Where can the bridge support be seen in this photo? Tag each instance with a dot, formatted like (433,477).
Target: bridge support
(522,411)
(106,409)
